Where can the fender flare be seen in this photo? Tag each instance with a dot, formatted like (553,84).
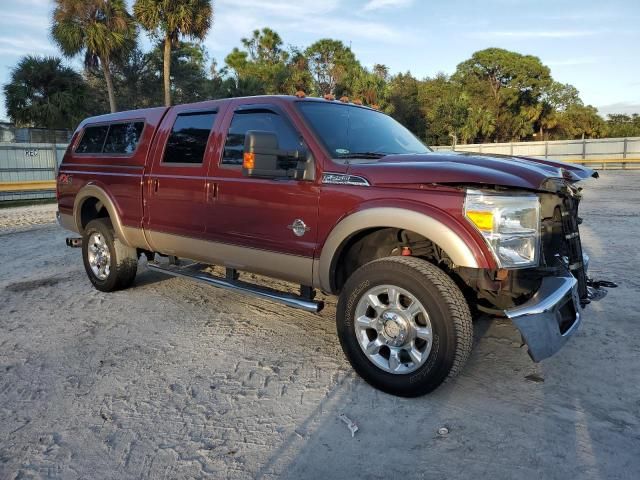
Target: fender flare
(429,227)
(94,191)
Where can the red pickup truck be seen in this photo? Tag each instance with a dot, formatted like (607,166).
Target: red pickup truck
(338,197)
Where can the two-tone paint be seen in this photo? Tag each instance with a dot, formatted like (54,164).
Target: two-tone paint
(212,213)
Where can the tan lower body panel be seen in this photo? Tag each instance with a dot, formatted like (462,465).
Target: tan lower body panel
(291,268)
(135,237)
(67,222)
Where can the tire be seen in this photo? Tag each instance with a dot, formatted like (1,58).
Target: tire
(426,333)
(121,263)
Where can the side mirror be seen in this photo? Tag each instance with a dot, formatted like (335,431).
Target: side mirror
(263,158)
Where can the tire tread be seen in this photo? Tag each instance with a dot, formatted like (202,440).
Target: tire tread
(460,312)
(125,263)
(453,309)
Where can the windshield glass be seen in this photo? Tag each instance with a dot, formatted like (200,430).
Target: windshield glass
(354,132)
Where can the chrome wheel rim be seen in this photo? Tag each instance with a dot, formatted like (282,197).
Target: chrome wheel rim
(99,256)
(393,329)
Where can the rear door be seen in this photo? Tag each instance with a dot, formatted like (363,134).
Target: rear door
(175,194)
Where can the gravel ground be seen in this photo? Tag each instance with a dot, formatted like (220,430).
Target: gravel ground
(172,379)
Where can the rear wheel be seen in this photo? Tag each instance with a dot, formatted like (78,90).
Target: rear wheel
(109,263)
(404,325)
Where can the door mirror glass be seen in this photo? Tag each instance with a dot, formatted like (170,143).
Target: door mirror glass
(264,159)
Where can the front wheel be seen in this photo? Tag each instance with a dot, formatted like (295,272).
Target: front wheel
(109,263)
(404,325)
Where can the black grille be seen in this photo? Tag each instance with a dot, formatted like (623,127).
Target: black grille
(573,247)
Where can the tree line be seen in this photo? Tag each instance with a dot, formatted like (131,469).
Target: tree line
(494,96)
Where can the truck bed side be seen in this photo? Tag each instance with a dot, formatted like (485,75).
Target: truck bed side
(119,176)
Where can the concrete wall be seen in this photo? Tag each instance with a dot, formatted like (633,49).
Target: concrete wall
(24,162)
(568,150)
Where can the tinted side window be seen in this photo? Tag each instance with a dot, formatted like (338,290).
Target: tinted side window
(188,139)
(92,139)
(123,137)
(264,120)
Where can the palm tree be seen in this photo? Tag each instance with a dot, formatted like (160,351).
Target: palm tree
(480,122)
(103,29)
(44,93)
(169,19)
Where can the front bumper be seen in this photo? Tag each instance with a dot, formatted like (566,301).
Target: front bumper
(550,317)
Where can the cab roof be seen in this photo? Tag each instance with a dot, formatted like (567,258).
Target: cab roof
(157,112)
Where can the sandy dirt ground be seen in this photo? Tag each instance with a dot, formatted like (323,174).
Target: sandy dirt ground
(18,219)
(172,379)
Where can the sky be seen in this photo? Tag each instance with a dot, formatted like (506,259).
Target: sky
(591,44)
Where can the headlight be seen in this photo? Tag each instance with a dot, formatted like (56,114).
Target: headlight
(509,223)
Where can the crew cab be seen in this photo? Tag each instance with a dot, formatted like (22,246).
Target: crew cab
(341,198)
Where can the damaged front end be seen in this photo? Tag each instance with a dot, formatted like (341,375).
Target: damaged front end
(545,301)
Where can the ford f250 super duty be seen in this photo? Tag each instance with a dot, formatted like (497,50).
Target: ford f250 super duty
(341,198)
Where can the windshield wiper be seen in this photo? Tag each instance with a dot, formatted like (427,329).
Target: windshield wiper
(367,155)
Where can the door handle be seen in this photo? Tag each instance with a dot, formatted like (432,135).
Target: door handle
(212,191)
(155,182)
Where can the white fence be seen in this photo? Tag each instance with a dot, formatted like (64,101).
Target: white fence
(606,151)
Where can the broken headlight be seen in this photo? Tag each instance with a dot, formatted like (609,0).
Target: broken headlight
(510,224)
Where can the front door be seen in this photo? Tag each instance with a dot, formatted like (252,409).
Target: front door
(175,188)
(279,218)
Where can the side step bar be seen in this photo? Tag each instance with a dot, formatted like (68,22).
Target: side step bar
(242,287)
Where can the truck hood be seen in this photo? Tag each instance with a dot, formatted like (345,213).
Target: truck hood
(466,168)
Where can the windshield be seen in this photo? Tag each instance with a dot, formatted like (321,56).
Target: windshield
(354,132)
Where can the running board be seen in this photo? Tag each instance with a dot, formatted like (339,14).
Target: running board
(242,287)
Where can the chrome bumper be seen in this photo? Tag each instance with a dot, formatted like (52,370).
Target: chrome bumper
(550,317)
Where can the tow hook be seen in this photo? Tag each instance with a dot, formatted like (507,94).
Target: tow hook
(597,289)
(74,242)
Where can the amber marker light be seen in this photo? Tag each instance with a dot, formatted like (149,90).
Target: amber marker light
(509,223)
(249,160)
(481,219)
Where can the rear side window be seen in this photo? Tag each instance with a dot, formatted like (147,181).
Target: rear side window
(114,138)
(93,139)
(188,139)
(123,137)
(263,120)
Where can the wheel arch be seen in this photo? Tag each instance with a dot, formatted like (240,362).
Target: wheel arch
(94,193)
(461,248)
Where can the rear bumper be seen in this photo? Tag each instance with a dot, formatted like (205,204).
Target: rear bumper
(550,317)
